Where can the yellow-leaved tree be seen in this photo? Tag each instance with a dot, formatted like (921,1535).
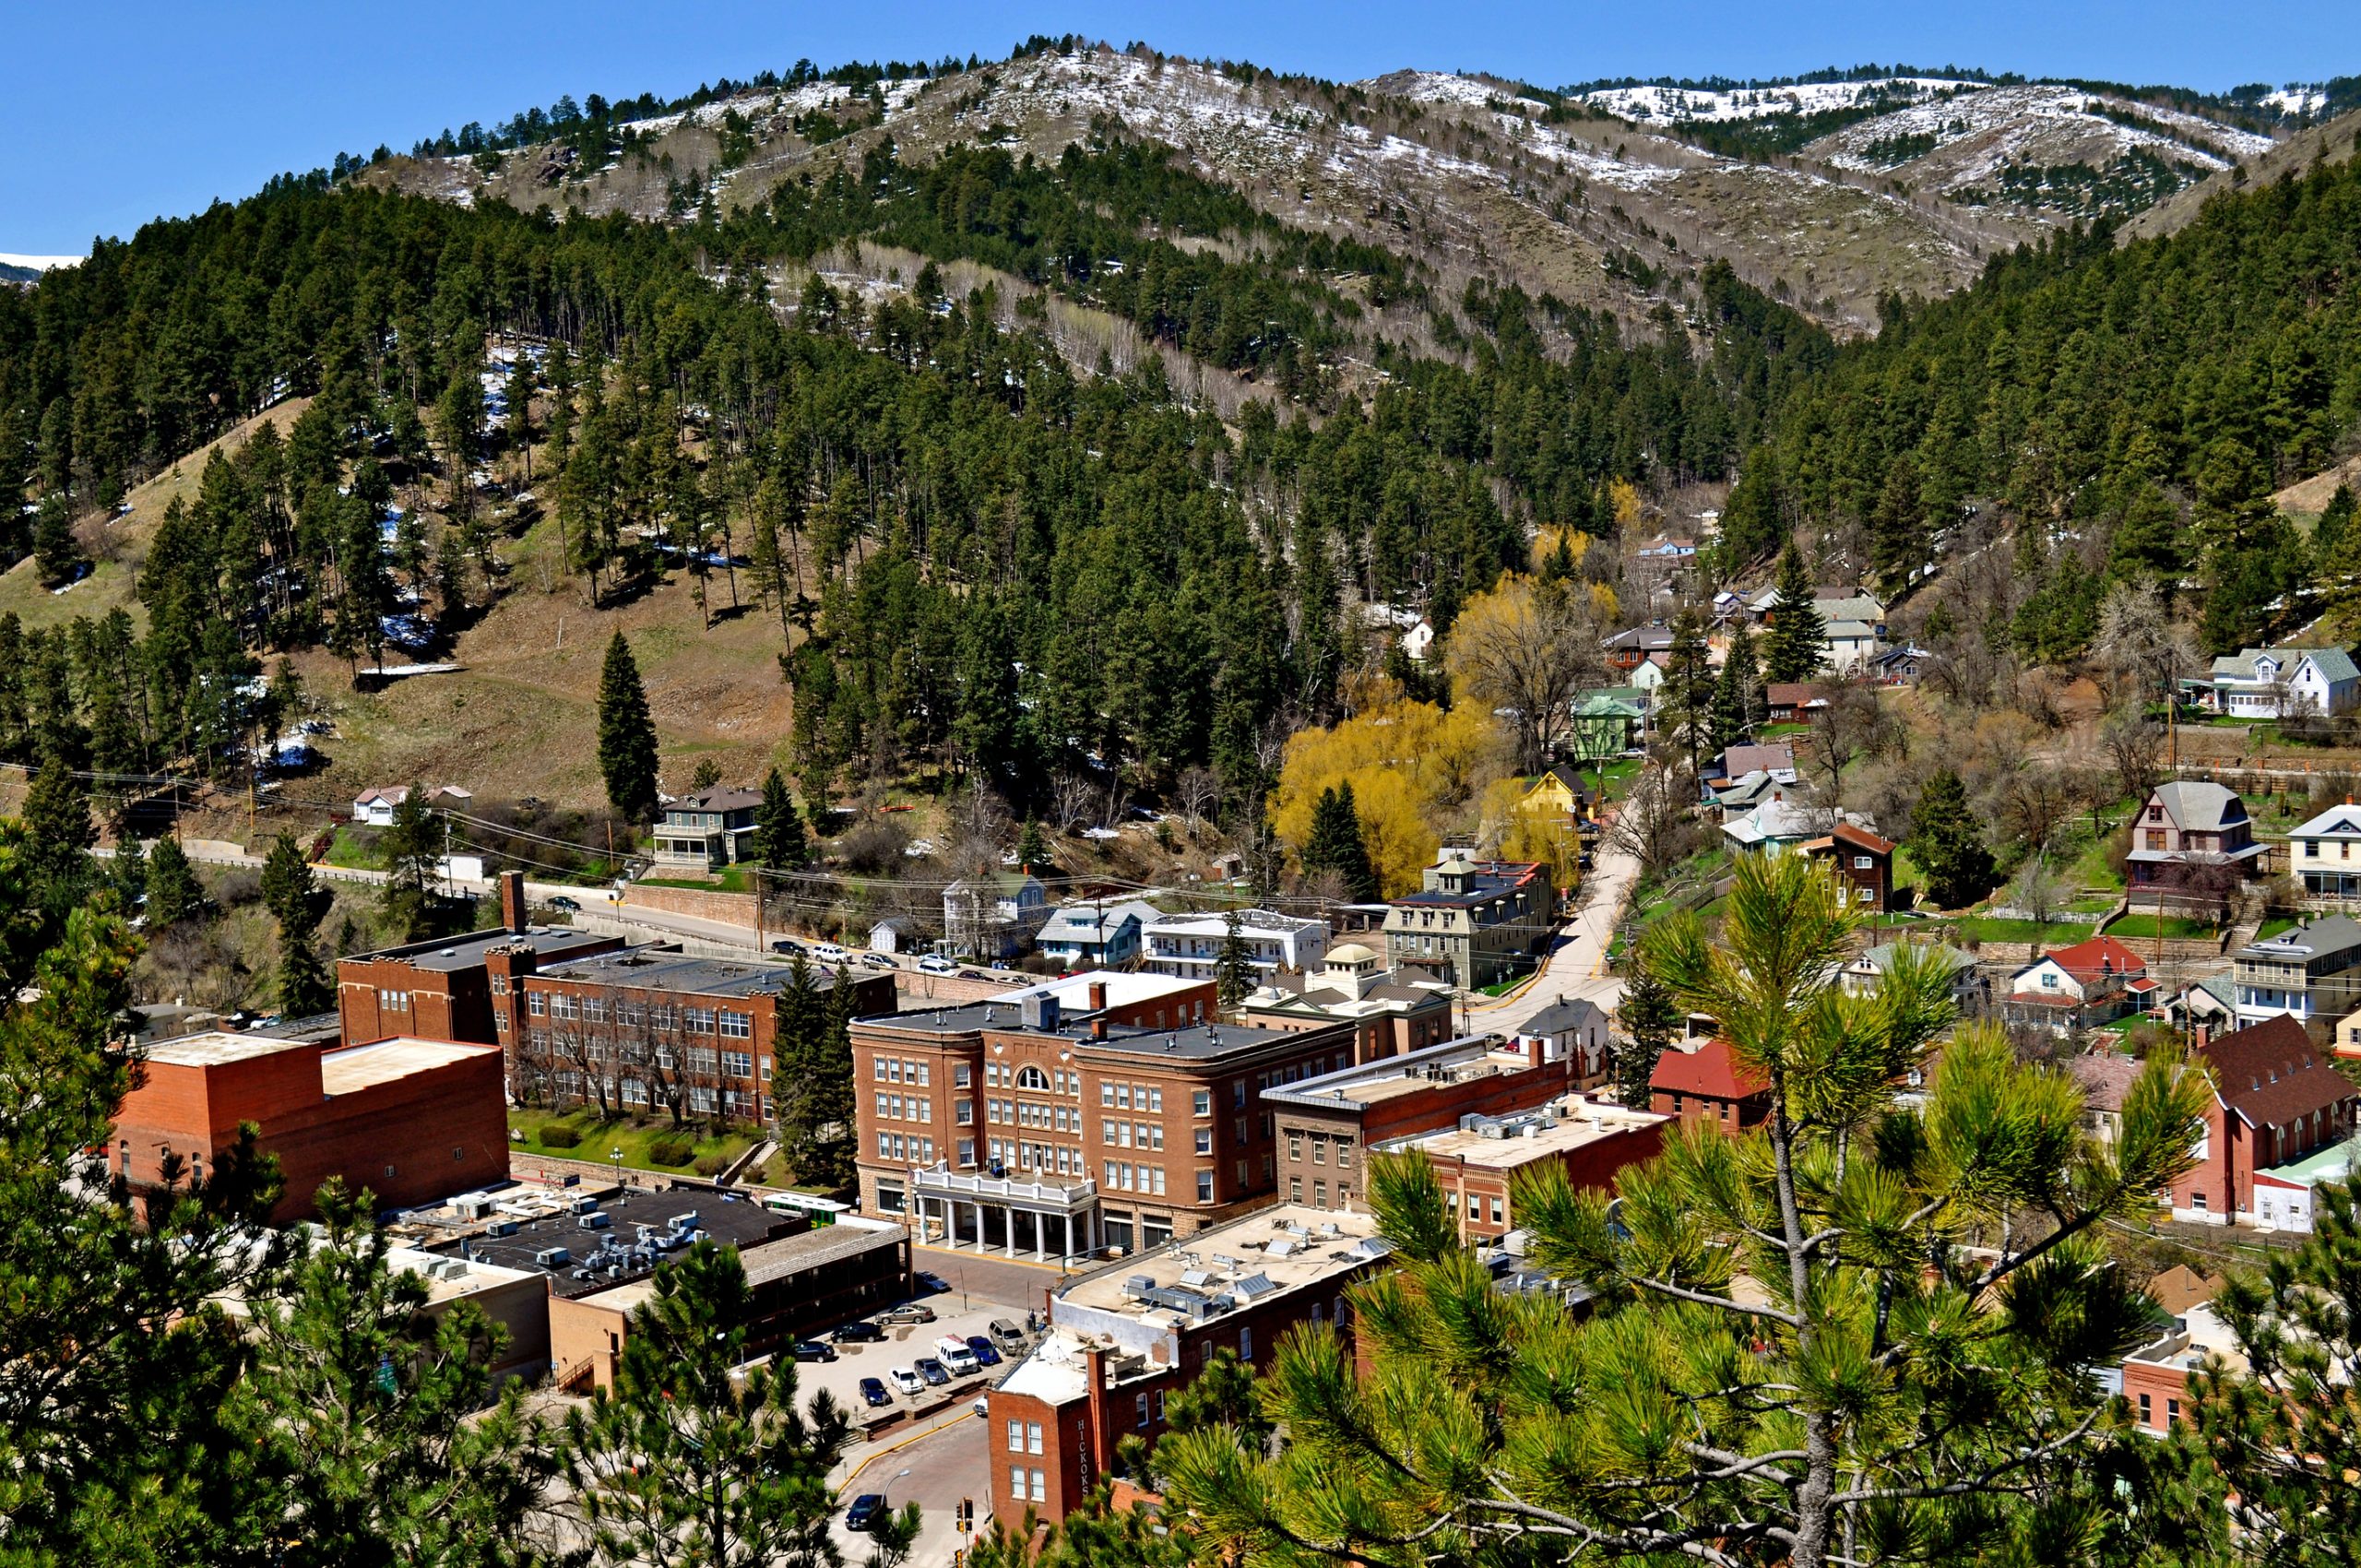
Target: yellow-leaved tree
(1515,828)
(1523,648)
(1416,769)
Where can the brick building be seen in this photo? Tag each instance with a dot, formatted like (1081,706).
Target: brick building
(2275,1099)
(1708,1085)
(1122,1339)
(1392,1011)
(1479,1160)
(648,1027)
(443,990)
(1462,1104)
(412,1121)
(1022,1126)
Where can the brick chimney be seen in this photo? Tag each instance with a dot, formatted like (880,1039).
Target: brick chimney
(512,900)
(1099,996)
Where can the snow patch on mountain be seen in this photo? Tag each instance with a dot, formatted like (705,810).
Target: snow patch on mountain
(1445,87)
(2034,124)
(1654,105)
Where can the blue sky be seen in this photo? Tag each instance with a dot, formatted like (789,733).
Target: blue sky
(124,111)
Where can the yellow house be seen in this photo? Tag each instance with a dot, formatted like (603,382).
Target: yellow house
(1555,793)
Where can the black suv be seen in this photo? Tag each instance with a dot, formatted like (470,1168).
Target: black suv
(862,1331)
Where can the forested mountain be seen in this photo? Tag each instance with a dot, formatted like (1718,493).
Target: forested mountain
(1598,199)
(988,546)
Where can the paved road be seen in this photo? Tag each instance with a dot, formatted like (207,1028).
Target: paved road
(1013,1286)
(936,1470)
(1576,965)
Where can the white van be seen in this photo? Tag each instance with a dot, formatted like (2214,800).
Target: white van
(955,1354)
(936,964)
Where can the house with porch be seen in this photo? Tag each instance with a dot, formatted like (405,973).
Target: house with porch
(706,832)
(2310,971)
(994,916)
(2187,829)
(2321,853)
(1861,861)
(2083,986)
(2278,682)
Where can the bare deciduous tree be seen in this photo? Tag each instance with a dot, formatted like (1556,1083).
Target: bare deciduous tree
(1525,649)
(2135,748)
(1071,794)
(1656,823)
(1198,794)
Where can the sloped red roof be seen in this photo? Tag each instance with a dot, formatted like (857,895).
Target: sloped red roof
(1859,838)
(1710,1071)
(2270,1073)
(2099,956)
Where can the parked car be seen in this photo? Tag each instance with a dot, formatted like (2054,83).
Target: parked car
(905,1380)
(863,1513)
(935,964)
(571,906)
(828,953)
(789,947)
(908,1312)
(982,1407)
(861,1332)
(934,1371)
(932,1282)
(974,974)
(878,961)
(812,1350)
(874,1393)
(986,1355)
(1006,1335)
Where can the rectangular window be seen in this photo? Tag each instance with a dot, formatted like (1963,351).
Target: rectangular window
(1105,1093)
(536,1004)
(1496,1211)
(1205,1186)
(562,1005)
(1139,1408)
(1319,1151)
(1343,1154)
(967,1151)
(661,1017)
(1040,1487)
(877,1068)
(593,1009)
(1319,1194)
(926,1073)
(965,1111)
(1295,1148)
(630,1009)
(1122,1097)
(1202,1104)
(959,1075)
(2146,1415)
(1205,1140)
(737,1025)
(1156,1100)
(1295,1189)
(1016,1437)
(1033,1439)
(736,1065)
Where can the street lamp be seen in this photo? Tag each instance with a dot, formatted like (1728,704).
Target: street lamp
(617,1156)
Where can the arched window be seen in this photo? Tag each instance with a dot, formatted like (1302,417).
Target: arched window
(1030,1077)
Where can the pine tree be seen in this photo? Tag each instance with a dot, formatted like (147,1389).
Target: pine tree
(57,822)
(1651,1018)
(626,736)
(128,874)
(693,1458)
(1233,973)
(1858,1328)
(293,897)
(1947,843)
(413,849)
(1797,645)
(173,893)
(373,1414)
(1334,843)
(55,552)
(1032,849)
(778,825)
(1689,689)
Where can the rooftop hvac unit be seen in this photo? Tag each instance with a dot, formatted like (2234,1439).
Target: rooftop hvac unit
(1197,1276)
(1489,1129)
(1226,1260)
(1253,1288)
(683,1221)
(1139,1284)
(1330,1229)
(1285,1247)
(552,1257)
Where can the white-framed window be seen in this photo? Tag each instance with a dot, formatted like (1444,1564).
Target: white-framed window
(959,1075)
(697,1020)
(1033,1439)
(536,1005)
(1016,1437)
(877,1068)
(737,1025)
(736,1065)
(565,1005)
(1205,1186)
(593,1009)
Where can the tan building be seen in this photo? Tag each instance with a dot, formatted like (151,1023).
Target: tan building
(1021,1128)
(1123,1338)
(1591,1139)
(1473,923)
(1392,1011)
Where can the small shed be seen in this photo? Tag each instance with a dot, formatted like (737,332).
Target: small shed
(895,933)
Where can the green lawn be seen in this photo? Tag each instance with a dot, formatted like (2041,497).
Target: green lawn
(600,1139)
(2275,925)
(2140,924)
(1992,928)
(355,848)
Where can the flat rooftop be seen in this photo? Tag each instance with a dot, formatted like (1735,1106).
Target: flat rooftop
(1267,1252)
(219,1047)
(448,1278)
(365,1066)
(818,1247)
(653,967)
(1124,989)
(467,952)
(1507,1142)
(1436,1066)
(1196,1042)
(543,1223)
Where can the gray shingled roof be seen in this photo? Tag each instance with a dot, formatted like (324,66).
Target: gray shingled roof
(2197,805)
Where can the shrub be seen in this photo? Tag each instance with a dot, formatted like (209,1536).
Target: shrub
(557,1135)
(670,1150)
(712,1165)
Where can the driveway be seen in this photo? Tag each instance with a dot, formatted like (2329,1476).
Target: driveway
(1576,964)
